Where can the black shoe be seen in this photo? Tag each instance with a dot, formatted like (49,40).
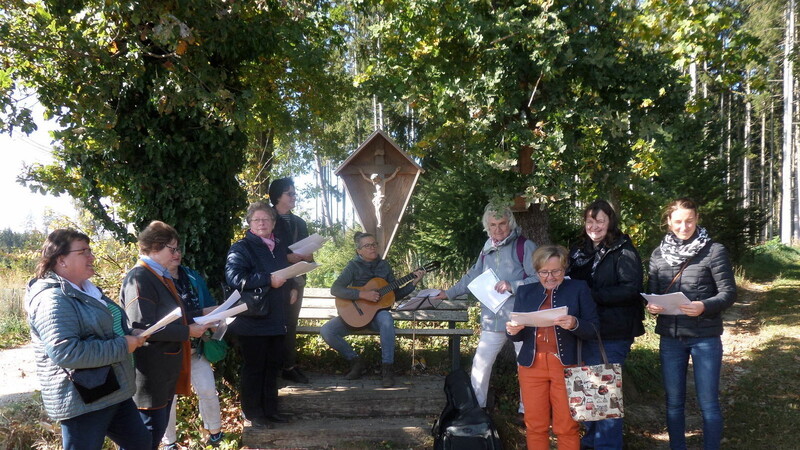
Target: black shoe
(294,375)
(387,375)
(277,418)
(357,369)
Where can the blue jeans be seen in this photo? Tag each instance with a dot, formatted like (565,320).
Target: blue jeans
(706,356)
(605,434)
(336,329)
(120,422)
(155,420)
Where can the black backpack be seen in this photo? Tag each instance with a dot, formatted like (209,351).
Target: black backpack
(463,425)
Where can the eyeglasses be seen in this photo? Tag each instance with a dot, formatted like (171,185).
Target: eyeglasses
(546,273)
(173,250)
(83,251)
(370,245)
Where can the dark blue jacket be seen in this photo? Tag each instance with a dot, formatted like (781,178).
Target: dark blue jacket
(576,296)
(251,261)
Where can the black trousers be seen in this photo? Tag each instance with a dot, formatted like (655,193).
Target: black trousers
(290,345)
(262,359)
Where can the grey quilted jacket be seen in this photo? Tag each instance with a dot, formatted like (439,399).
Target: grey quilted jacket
(508,266)
(72,330)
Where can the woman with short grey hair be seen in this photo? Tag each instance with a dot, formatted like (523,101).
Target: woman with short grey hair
(508,254)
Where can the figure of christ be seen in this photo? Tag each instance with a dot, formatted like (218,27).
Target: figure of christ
(379,182)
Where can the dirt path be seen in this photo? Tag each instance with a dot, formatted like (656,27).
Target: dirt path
(19,374)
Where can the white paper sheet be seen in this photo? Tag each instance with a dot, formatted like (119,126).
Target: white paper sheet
(308,245)
(670,302)
(542,318)
(232,299)
(482,287)
(166,320)
(296,270)
(216,317)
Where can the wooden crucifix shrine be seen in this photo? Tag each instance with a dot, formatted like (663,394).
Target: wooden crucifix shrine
(380,179)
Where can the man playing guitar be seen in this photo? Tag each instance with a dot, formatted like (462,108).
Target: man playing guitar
(366,266)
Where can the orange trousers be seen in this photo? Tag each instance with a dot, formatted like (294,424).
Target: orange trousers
(544,396)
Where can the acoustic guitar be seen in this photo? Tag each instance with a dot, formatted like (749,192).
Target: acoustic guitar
(359,313)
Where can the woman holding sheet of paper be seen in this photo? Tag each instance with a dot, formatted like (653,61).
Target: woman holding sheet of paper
(609,263)
(197,301)
(508,254)
(250,266)
(547,350)
(148,294)
(688,261)
(75,327)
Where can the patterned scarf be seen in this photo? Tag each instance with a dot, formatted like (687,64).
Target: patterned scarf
(588,253)
(676,251)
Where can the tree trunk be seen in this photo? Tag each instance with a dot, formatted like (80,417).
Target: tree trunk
(535,223)
(324,187)
(762,194)
(788,108)
(748,110)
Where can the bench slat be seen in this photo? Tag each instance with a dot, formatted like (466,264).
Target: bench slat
(400,331)
(426,315)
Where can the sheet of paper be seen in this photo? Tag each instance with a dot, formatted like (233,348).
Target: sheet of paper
(166,320)
(232,299)
(296,270)
(308,245)
(542,318)
(216,317)
(670,302)
(482,288)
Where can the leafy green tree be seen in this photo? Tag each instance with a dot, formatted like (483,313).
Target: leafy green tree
(161,103)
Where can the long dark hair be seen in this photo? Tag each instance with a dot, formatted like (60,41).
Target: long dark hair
(613,223)
(57,244)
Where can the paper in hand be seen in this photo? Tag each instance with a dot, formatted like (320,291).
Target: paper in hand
(296,269)
(482,287)
(670,302)
(218,316)
(166,320)
(543,318)
(308,245)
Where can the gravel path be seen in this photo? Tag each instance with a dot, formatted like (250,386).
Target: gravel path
(19,374)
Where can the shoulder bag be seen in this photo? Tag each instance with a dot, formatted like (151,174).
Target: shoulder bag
(594,392)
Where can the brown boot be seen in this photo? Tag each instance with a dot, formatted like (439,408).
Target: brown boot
(387,375)
(357,368)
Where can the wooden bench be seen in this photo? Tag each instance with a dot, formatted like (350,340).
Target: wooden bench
(319,304)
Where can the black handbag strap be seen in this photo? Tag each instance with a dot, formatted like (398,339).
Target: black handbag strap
(675,278)
(599,341)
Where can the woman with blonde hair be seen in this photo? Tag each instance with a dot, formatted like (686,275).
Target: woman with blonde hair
(546,351)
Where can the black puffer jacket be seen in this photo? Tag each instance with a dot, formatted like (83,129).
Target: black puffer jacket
(616,286)
(708,277)
(252,262)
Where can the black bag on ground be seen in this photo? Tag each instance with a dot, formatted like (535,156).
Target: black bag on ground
(463,425)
